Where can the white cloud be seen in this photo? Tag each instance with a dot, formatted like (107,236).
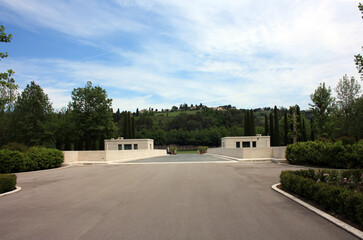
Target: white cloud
(244,53)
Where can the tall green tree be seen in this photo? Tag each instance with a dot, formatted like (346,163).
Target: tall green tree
(7,83)
(322,107)
(312,131)
(32,113)
(247,125)
(91,110)
(286,129)
(276,128)
(252,124)
(272,132)
(266,125)
(348,91)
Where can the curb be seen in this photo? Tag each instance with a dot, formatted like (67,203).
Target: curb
(330,218)
(11,192)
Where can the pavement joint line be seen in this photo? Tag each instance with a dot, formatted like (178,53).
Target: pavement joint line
(330,218)
(169,162)
(17,189)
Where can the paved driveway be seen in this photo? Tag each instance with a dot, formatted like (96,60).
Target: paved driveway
(228,200)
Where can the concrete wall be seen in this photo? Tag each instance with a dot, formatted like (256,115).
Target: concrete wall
(261,141)
(251,153)
(74,157)
(112,144)
(230,152)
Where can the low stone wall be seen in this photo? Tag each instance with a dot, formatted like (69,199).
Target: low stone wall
(251,153)
(76,157)
(230,152)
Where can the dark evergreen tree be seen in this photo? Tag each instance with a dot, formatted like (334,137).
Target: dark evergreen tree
(299,124)
(247,124)
(272,135)
(286,129)
(312,132)
(303,129)
(137,112)
(133,129)
(266,125)
(276,128)
(252,124)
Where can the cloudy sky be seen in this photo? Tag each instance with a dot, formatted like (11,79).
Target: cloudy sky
(160,53)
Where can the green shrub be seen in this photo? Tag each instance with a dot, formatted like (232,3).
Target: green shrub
(320,153)
(44,158)
(328,194)
(7,182)
(34,159)
(202,149)
(12,161)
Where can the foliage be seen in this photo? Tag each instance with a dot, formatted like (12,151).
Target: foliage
(276,128)
(12,161)
(34,159)
(358,59)
(329,189)
(328,154)
(15,147)
(322,107)
(91,112)
(32,112)
(7,182)
(7,83)
(202,149)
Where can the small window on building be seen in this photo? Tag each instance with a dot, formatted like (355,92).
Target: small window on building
(127,147)
(136,146)
(238,144)
(254,144)
(246,144)
(120,147)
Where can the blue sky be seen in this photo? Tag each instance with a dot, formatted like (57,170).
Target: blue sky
(160,53)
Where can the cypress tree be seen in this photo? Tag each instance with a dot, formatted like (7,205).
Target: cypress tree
(137,112)
(303,131)
(276,128)
(266,125)
(129,130)
(252,124)
(299,124)
(272,137)
(247,124)
(286,129)
(133,128)
(125,130)
(312,132)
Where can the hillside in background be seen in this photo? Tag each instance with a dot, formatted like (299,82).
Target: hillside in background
(198,125)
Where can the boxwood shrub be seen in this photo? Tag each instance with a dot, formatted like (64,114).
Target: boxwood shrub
(330,195)
(336,155)
(34,158)
(7,182)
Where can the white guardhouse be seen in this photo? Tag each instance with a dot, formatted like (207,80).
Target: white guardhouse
(129,144)
(257,141)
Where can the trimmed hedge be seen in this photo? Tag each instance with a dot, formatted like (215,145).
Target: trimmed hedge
(34,159)
(330,196)
(336,155)
(7,182)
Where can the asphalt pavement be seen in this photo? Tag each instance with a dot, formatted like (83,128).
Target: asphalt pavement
(166,200)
